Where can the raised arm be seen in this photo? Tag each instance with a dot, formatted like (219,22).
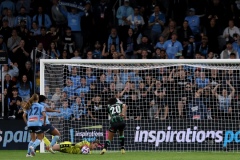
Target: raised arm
(150,87)
(122,50)
(15,49)
(51,110)
(124,111)
(171,75)
(104,53)
(63,11)
(232,88)
(156,93)
(121,94)
(14,70)
(214,91)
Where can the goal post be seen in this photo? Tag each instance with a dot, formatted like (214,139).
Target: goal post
(172,105)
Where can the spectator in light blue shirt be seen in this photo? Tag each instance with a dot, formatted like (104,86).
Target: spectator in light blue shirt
(136,21)
(69,89)
(74,77)
(42,19)
(113,39)
(136,78)
(202,81)
(24,3)
(126,76)
(122,13)
(24,88)
(236,47)
(156,21)
(109,76)
(22,16)
(79,109)
(160,43)
(53,52)
(65,111)
(35,29)
(74,22)
(7,4)
(193,21)
(97,52)
(83,88)
(173,47)
(203,46)
(10,18)
(90,78)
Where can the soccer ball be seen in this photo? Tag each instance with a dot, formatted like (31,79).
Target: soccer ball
(85,150)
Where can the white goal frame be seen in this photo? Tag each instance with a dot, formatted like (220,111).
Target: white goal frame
(126,61)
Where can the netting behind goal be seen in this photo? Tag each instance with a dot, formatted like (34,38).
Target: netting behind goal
(171,105)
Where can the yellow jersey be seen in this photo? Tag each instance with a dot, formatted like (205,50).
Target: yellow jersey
(68,147)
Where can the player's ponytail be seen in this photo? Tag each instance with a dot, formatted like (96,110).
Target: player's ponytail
(23,105)
(30,102)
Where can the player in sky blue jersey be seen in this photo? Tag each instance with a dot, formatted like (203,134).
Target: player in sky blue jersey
(34,111)
(49,128)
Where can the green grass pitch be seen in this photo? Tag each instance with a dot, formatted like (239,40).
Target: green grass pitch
(20,155)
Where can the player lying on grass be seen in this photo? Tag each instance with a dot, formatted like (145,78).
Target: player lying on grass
(68,147)
(117,111)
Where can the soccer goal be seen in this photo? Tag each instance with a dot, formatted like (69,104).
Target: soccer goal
(172,105)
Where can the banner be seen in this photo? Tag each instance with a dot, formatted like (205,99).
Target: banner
(13,135)
(162,135)
(3,58)
(72,3)
(76,131)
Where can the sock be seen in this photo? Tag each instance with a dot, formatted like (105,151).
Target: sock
(36,143)
(29,144)
(121,141)
(54,140)
(107,143)
(46,141)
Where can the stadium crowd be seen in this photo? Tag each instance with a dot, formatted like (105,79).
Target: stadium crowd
(142,29)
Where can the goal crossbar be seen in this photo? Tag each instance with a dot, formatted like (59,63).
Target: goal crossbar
(129,61)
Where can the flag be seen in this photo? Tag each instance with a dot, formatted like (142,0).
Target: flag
(72,3)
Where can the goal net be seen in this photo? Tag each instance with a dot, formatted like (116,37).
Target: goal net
(172,105)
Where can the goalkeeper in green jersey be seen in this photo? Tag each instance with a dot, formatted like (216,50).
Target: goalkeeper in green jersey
(117,111)
(68,147)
